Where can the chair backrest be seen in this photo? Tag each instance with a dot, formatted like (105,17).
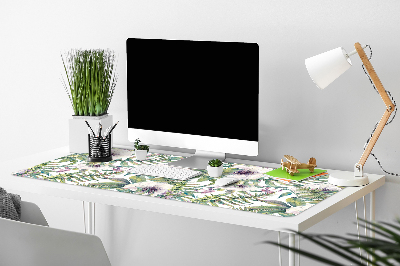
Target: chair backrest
(36,245)
(32,214)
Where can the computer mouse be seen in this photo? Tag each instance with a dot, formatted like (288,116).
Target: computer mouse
(226,181)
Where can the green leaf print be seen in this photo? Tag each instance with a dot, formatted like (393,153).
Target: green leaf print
(295,202)
(285,194)
(205,178)
(265,209)
(137,179)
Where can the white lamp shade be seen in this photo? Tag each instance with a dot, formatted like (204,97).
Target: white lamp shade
(326,67)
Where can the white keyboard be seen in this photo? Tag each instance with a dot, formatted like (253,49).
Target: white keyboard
(165,171)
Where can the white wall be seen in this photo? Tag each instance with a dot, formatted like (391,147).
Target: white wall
(295,117)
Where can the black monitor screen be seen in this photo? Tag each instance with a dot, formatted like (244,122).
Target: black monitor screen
(193,87)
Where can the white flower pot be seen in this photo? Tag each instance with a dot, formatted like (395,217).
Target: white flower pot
(215,171)
(141,154)
(78,131)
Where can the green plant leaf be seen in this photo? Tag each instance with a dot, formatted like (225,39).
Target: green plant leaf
(382,251)
(91,80)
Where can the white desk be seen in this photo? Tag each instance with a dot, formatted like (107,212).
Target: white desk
(297,223)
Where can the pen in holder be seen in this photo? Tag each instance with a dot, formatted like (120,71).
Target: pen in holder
(99,149)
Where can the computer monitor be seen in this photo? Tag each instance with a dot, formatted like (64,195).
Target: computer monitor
(199,95)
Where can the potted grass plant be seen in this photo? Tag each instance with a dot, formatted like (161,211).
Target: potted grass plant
(90,83)
(140,150)
(215,168)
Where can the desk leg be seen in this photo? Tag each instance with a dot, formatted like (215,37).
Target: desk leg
(292,244)
(88,215)
(372,210)
(298,247)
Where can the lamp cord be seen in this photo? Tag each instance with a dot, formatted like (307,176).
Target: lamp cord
(387,123)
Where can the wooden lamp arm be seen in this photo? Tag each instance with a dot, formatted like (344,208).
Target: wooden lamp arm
(371,71)
(389,109)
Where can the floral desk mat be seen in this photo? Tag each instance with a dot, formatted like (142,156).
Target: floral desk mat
(255,192)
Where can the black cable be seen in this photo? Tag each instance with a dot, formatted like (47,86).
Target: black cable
(387,123)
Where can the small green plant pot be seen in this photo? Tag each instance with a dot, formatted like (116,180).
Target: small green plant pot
(215,171)
(141,155)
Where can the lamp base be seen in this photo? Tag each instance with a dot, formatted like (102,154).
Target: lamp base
(347,179)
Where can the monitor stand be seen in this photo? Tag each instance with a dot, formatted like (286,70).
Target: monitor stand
(199,160)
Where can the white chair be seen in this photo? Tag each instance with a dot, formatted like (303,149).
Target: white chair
(32,243)
(32,214)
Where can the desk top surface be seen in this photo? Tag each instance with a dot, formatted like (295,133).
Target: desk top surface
(244,212)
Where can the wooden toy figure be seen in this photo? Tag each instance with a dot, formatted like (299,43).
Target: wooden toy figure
(293,164)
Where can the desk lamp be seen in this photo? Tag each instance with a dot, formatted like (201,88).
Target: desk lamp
(323,70)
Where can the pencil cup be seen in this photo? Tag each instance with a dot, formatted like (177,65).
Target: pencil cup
(99,149)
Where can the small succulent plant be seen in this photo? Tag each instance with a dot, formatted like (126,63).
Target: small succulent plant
(140,147)
(215,163)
